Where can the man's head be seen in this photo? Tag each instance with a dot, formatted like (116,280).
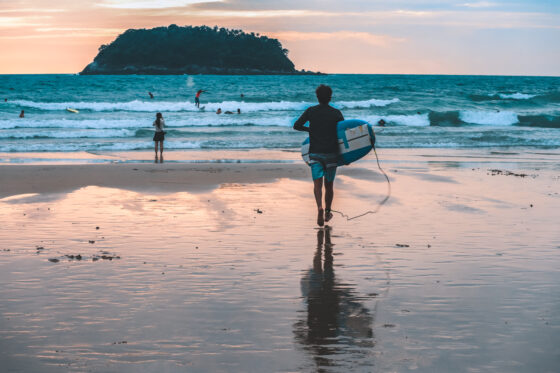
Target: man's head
(324,94)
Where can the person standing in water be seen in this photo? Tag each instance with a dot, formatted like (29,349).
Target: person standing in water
(323,148)
(159,135)
(197,97)
(22,114)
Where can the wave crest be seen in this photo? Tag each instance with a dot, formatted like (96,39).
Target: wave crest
(188,106)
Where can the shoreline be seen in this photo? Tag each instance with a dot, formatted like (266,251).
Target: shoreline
(285,155)
(198,171)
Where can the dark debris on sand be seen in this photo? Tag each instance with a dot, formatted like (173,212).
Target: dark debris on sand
(401,245)
(104,255)
(495,172)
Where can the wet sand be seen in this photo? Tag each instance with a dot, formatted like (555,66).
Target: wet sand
(220,267)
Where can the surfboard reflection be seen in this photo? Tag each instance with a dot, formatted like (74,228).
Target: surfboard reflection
(337,329)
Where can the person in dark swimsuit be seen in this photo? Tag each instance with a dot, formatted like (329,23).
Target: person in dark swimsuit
(323,148)
(159,136)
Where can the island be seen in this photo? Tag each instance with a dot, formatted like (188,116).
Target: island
(177,50)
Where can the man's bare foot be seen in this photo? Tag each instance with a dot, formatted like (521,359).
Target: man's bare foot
(320,218)
(328,215)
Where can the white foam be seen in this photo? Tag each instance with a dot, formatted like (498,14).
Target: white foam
(189,120)
(491,118)
(66,134)
(414,120)
(516,96)
(171,106)
(95,146)
(365,103)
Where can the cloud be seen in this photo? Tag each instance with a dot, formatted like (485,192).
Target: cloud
(150,4)
(10,22)
(372,39)
(480,4)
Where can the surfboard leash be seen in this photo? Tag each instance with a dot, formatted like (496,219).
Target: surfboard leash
(381,203)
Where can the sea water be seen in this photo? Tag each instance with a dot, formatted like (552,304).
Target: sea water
(116,112)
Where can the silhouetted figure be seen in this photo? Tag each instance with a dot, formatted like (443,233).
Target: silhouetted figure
(336,322)
(197,97)
(159,135)
(22,114)
(381,123)
(242,95)
(238,111)
(151,95)
(5,100)
(219,111)
(323,148)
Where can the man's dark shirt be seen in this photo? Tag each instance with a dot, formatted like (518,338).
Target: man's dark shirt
(322,119)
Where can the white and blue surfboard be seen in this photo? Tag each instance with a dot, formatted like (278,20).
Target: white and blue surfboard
(355,140)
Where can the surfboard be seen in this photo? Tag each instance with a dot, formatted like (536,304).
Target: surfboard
(72,110)
(355,140)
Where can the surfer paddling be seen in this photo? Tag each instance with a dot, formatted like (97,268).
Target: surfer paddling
(323,148)
(159,136)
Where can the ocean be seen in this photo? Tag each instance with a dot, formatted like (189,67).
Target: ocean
(116,112)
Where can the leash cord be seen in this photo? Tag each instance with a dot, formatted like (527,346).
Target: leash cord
(348,218)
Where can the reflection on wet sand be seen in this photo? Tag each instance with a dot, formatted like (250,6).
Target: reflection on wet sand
(338,328)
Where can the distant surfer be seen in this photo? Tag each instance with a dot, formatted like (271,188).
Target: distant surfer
(219,111)
(238,111)
(151,95)
(242,95)
(323,148)
(159,135)
(381,123)
(197,97)
(22,114)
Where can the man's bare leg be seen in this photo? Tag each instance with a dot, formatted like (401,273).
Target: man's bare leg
(318,191)
(329,194)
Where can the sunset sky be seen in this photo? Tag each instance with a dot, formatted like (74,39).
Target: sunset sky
(517,37)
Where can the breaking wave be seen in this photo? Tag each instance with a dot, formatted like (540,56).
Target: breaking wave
(171,106)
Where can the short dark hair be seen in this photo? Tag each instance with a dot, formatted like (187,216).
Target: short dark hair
(324,94)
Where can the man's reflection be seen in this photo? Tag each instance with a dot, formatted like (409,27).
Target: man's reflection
(337,330)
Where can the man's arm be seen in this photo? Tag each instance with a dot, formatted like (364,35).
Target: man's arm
(299,124)
(341,117)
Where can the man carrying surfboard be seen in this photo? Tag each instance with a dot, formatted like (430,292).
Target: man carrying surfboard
(323,148)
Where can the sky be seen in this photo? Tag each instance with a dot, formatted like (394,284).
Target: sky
(496,37)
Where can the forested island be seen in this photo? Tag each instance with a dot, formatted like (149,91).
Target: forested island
(176,50)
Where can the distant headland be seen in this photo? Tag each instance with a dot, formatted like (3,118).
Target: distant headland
(176,50)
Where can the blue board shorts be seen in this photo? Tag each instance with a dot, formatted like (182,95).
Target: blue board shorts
(323,165)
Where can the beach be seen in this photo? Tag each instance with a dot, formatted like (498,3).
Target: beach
(212,262)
